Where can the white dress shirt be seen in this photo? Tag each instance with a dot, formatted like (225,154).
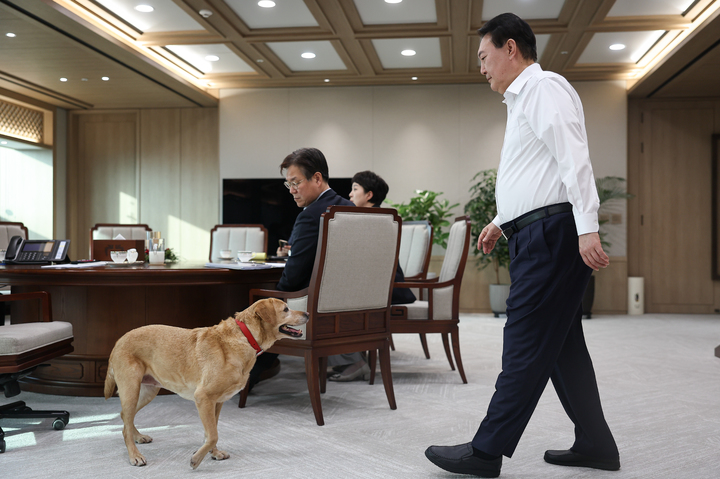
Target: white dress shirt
(545,158)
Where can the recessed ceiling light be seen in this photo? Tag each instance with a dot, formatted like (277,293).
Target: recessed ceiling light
(105,78)
(617,46)
(259,60)
(10,34)
(414,78)
(266,3)
(308,55)
(393,1)
(327,80)
(407,53)
(212,58)
(84,79)
(63,79)
(144,8)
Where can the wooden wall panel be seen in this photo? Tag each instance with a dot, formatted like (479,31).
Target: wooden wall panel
(160,172)
(155,166)
(669,229)
(101,175)
(199,181)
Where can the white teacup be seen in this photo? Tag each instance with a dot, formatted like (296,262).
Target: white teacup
(244,256)
(132,255)
(226,253)
(118,256)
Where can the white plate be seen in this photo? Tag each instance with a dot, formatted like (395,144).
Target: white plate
(112,263)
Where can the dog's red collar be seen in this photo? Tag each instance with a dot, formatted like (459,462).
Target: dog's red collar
(249,336)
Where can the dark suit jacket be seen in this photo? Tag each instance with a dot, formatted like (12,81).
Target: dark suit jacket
(299,267)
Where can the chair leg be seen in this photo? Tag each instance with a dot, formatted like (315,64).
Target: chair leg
(392,343)
(372,362)
(243,395)
(312,369)
(446,343)
(455,335)
(423,341)
(323,374)
(387,374)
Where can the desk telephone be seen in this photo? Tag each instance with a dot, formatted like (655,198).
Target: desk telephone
(20,251)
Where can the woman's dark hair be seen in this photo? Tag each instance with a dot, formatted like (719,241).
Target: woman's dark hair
(506,26)
(372,182)
(309,160)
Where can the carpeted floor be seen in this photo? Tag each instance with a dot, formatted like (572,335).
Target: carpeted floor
(658,377)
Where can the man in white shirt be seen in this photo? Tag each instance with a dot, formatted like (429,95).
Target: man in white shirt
(547,209)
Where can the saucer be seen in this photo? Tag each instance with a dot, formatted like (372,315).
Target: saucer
(118,265)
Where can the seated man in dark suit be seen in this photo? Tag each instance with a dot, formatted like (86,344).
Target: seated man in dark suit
(368,190)
(306,172)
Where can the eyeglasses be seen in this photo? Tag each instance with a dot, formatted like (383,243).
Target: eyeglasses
(292,185)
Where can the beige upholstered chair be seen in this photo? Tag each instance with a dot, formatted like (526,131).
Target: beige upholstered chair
(415,248)
(238,238)
(346,316)
(23,347)
(440,314)
(108,231)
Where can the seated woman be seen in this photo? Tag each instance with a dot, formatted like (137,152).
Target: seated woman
(368,189)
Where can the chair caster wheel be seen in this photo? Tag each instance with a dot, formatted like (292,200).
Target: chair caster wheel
(2,446)
(58,424)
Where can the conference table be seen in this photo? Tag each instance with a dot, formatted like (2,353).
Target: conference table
(103,303)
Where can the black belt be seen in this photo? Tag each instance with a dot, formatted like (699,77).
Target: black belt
(512,227)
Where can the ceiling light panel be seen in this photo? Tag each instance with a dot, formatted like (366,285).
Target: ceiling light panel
(286,13)
(197,56)
(527,10)
(377,12)
(166,16)
(636,44)
(326,58)
(427,52)
(631,8)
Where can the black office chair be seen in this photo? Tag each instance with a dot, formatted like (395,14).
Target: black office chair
(23,348)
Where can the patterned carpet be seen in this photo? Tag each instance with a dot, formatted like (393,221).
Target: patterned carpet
(658,377)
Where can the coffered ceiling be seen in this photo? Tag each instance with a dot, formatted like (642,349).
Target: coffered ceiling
(162,53)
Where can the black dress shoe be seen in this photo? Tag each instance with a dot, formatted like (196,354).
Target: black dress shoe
(460,460)
(571,458)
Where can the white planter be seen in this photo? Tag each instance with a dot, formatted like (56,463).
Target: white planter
(498,297)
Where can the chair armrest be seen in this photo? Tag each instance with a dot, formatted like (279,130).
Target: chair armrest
(398,312)
(429,284)
(275,293)
(419,279)
(43,296)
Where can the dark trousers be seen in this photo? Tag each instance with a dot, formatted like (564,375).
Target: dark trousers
(543,339)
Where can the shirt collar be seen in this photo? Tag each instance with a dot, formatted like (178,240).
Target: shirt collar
(517,85)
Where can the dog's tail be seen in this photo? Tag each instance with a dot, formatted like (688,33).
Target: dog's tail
(109,382)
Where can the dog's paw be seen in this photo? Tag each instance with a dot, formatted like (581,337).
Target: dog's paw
(218,455)
(138,460)
(142,439)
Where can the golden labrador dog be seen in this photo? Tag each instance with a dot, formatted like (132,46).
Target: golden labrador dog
(204,365)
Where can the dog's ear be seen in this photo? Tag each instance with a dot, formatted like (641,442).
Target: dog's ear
(265,309)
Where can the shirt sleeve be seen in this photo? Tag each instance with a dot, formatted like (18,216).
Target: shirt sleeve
(556,117)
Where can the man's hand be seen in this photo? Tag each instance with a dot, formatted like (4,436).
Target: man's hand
(592,252)
(488,237)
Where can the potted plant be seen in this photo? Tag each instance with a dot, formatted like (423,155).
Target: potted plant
(425,205)
(608,188)
(482,209)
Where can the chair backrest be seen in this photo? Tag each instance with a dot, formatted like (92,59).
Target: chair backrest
(8,230)
(355,265)
(108,231)
(446,300)
(415,249)
(238,238)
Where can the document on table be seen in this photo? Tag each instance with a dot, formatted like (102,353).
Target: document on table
(245,265)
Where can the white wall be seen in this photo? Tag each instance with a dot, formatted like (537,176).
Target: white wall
(432,137)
